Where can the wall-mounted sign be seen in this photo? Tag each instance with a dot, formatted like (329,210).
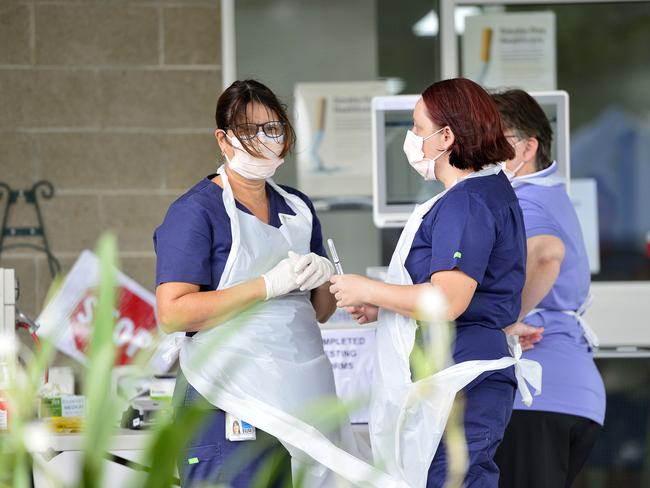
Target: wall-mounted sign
(511,50)
(334,138)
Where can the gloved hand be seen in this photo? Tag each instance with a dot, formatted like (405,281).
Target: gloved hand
(313,270)
(281,279)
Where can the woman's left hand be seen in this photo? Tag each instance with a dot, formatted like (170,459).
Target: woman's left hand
(529,335)
(364,314)
(313,270)
(349,289)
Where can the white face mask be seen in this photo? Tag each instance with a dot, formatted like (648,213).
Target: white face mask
(413,148)
(510,174)
(254,168)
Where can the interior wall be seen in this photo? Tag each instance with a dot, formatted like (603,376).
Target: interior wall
(113,103)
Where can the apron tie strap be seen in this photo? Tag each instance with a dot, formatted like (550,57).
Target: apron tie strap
(172,347)
(589,333)
(526,371)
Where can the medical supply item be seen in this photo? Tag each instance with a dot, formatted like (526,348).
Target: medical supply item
(335,256)
(64,413)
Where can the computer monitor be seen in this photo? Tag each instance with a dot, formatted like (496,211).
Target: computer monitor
(397,188)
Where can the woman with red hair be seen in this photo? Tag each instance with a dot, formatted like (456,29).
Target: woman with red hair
(471,245)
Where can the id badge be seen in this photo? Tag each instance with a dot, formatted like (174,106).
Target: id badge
(238,430)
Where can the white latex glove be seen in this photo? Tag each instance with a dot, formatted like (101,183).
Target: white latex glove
(313,270)
(281,279)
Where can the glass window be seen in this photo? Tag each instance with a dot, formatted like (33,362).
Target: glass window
(620,456)
(604,65)
(407,42)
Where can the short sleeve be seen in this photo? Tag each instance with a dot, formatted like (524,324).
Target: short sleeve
(537,221)
(183,245)
(463,235)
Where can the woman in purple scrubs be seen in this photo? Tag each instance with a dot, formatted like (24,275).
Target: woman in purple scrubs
(546,446)
(472,246)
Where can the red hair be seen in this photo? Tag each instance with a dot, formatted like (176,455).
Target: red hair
(473,117)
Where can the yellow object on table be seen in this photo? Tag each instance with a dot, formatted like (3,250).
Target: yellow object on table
(63,413)
(65,424)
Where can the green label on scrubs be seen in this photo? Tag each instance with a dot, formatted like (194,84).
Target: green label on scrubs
(458,255)
(193,460)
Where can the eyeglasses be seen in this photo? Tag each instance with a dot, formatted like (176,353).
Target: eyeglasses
(274,129)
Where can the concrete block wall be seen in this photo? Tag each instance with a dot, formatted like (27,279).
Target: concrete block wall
(113,102)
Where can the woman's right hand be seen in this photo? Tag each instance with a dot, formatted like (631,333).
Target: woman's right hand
(281,279)
(363,314)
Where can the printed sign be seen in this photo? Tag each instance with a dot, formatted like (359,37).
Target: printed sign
(334,137)
(351,352)
(511,50)
(68,317)
(135,321)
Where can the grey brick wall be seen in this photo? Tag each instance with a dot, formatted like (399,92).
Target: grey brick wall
(112,101)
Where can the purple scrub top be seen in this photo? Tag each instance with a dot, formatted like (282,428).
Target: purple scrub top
(571,383)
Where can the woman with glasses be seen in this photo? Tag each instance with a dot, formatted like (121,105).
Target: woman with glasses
(547,445)
(242,271)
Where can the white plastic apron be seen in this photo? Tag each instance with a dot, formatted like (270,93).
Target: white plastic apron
(407,419)
(587,331)
(552,180)
(267,365)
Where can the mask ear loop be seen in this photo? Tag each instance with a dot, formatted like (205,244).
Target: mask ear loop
(431,135)
(229,139)
(521,164)
(518,168)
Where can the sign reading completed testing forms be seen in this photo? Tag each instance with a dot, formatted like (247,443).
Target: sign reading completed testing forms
(511,50)
(351,352)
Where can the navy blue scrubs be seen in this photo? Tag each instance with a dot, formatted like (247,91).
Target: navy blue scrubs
(478,228)
(192,246)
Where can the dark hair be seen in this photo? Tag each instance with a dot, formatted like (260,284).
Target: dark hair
(232,105)
(472,116)
(521,113)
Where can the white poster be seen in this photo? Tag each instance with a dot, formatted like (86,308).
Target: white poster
(511,50)
(334,138)
(351,352)
(584,196)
